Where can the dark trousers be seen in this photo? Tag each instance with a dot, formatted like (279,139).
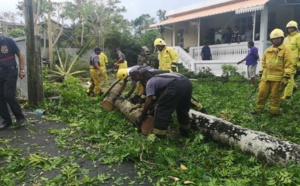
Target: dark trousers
(8,96)
(177,96)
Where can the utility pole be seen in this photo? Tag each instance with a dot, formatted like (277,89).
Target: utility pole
(33,58)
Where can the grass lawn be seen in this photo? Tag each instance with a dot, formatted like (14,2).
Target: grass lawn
(107,138)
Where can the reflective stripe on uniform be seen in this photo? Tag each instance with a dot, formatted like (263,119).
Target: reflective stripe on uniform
(159,132)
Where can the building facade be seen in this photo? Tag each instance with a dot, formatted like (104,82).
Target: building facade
(192,26)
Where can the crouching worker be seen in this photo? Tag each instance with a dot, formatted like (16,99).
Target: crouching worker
(275,73)
(174,92)
(142,74)
(125,75)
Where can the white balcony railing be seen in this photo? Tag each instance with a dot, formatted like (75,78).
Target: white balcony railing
(223,54)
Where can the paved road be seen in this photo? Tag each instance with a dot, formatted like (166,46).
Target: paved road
(35,138)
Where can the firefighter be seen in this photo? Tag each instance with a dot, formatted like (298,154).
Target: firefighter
(275,72)
(292,41)
(173,92)
(95,73)
(167,56)
(121,63)
(143,76)
(103,65)
(123,75)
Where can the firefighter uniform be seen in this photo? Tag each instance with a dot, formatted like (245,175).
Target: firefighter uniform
(167,56)
(174,92)
(123,74)
(276,70)
(122,63)
(95,73)
(103,64)
(292,41)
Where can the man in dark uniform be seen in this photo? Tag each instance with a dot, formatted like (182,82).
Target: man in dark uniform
(206,53)
(174,92)
(8,82)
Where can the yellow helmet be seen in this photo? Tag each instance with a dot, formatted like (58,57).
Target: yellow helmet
(292,24)
(159,41)
(276,33)
(122,73)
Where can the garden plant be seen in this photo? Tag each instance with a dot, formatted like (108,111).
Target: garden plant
(106,138)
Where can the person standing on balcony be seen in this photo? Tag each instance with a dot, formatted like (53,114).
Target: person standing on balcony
(275,72)
(205,52)
(236,37)
(293,42)
(251,61)
(167,56)
(228,35)
(249,34)
(8,82)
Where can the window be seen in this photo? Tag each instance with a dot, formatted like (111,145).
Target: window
(243,23)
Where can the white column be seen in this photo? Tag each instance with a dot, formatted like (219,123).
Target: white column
(263,30)
(174,34)
(198,28)
(254,26)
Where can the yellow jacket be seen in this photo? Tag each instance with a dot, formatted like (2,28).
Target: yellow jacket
(293,42)
(103,61)
(276,63)
(166,57)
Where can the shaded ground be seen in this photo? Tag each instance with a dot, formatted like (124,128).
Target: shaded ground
(36,139)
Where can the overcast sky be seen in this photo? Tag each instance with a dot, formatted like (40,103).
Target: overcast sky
(134,8)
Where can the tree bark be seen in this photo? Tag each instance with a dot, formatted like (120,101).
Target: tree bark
(259,144)
(125,107)
(108,103)
(33,59)
(50,43)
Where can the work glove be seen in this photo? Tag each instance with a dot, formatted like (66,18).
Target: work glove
(140,120)
(260,73)
(174,67)
(283,83)
(135,99)
(123,97)
(142,99)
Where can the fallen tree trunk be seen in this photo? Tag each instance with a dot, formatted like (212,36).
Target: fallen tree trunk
(107,103)
(259,144)
(125,107)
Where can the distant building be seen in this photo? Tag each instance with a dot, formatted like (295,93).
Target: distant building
(6,27)
(190,26)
